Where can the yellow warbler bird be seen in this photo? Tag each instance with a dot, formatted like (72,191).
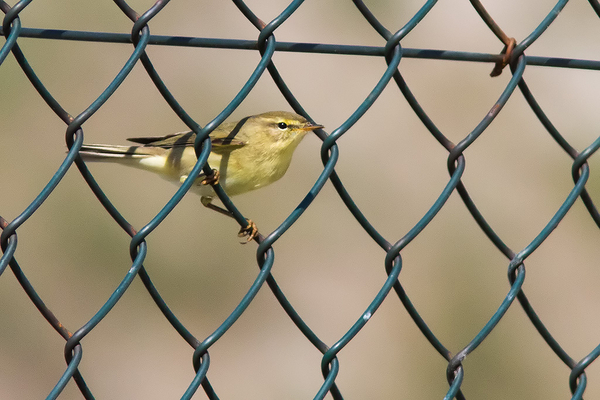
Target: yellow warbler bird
(246,155)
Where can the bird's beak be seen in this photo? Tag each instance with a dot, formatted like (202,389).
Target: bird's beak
(311,127)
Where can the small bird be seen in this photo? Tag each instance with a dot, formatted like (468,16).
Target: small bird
(246,155)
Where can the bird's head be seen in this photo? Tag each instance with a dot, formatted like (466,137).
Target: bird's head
(281,129)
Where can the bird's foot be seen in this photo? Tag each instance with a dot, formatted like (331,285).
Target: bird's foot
(211,179)
(251,231)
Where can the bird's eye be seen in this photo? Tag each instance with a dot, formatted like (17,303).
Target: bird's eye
(282,125)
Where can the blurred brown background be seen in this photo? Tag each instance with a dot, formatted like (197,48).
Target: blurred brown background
(75,255)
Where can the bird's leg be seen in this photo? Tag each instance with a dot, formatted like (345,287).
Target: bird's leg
(207,202)
(250,230)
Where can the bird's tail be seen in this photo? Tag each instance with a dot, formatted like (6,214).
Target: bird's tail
(143,157)
(107,152)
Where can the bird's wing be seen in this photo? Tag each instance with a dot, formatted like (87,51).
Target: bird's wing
(223,139)
(168,141)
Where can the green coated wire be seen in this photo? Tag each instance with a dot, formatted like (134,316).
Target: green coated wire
(393,52)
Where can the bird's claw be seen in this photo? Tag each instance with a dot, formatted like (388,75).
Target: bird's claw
(211,179)
(251,231)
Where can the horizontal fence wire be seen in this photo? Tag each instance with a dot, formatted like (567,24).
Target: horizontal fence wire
(512,59)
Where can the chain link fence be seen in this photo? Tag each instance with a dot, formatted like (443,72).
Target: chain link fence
(174,307)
